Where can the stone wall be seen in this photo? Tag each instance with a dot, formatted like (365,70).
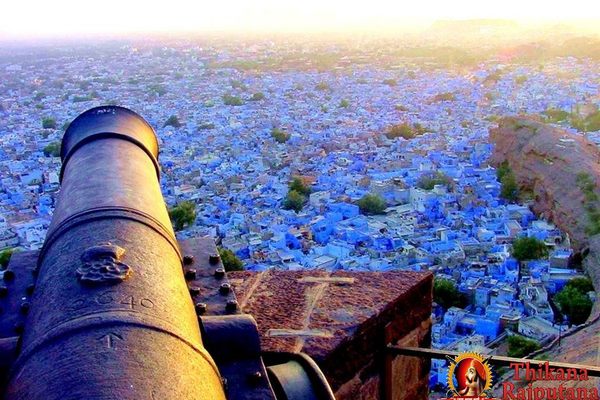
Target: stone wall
(344,320)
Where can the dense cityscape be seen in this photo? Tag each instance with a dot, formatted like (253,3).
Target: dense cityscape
(336,158)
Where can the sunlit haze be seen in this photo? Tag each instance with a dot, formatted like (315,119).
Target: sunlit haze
(27,18)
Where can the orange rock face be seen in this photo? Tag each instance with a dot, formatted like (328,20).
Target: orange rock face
(547,160)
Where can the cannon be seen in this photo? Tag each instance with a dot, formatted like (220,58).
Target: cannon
(112,306)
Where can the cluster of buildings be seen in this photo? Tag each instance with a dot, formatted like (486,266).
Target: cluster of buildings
(225,160)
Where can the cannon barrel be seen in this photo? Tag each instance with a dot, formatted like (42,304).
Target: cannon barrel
(111,316)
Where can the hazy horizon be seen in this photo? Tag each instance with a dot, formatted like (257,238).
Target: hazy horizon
(67,19)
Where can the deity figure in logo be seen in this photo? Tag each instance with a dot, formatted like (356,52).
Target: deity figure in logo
(471,377)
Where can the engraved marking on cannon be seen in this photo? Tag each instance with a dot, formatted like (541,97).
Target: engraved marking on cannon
(131,301)
(110,339)
(102,265)
(106,110)
(147,303)
(105,298)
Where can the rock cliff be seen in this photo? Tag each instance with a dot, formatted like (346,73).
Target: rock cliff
(549,163)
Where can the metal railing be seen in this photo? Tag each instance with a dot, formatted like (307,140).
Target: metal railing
(502,361)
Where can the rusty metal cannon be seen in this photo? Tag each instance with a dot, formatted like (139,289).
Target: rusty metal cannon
(111,308)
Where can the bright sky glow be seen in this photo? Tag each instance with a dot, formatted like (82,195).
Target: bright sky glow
(34,18)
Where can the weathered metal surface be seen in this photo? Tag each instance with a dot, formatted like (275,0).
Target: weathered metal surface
(109,170)
(8,352)
(295,376)
(206,278)
(116,122)
(17,284)
(234,343)
(138,339)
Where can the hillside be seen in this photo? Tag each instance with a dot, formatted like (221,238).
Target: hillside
(555,166)
(552,165)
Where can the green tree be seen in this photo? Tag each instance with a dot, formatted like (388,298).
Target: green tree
(322,86)
(344,103)
(230,100)
(447,295)
(528,248)
(405,131)
(235,84)
(574,302)
(183,214)
(502,170)
(446,96)
(48,123)
(172,121)
(556,115)
(230,261)
(257,96)
(587,185)
(298,185)
(593,122)
(371,204)
(158,89)
(52,149)
(81,99)
(428,181)
(584,285)
(521,79)
(206,125)
(590,123)
(294,201)
(509,189)
(279,135)
(390,82)
(490,96)
(5,256)
(519,346)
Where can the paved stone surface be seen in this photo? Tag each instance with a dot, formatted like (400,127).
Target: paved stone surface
(341,319)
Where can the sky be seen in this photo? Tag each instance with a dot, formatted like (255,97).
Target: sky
(51,18)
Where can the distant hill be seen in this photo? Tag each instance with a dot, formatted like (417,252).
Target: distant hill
(473,25)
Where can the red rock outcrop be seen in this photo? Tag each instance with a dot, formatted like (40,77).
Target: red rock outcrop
(547,160)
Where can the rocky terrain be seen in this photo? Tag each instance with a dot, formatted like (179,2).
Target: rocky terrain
(549,163)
